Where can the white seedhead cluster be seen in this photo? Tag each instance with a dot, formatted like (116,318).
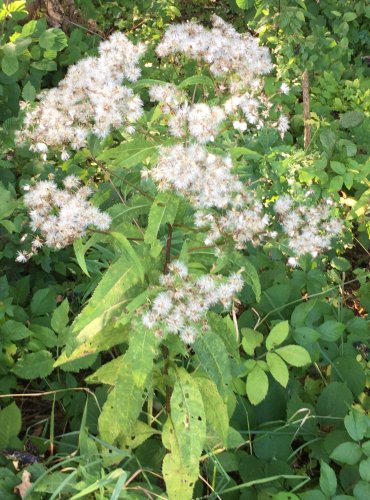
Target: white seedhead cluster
(237,62)
(60,216)
(182,308)
(91,98)
(310,229)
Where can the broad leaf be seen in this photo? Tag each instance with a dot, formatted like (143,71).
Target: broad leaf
(328,480)
(294,355)
(10,424)
(34,365)
(278,368)
(257,385)
(277,335)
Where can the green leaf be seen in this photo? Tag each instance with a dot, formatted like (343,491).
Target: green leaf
(128,154)
(59,319)
(248,154)
(80,250)
(351,119)
(341,264)
(45,65)
(196,79)
(361,490)
(251,340)
(125,401)
(29,92)
(9,64)
(35,365)
(14,330)
(338,167)
(53,39)
(108,298)
(278,368)
(328,480)
(347,453)
(10,424)
(215,408)
(107,373)
(364,469)
(331,330)
(251,277)
(162,211)
(184,436)
(214,360)
(242,4)
(336,184)
(356,424)
(277,335)
(294,355)
(257,385)
(126,249)
(43,301)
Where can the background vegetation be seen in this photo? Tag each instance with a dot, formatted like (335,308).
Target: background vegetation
(308,440)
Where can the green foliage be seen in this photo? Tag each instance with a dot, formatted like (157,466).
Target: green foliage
(271,401)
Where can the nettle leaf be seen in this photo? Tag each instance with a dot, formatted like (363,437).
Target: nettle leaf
(43,301)
(162,211)
(294,355)
(347,453)
(184,435)
(277,335)
(10,424)
(278,368)
(328,479)
(34,365)
(251,340)
(125,401)
(251,277)
(215,408)
(214,360)
(257,385)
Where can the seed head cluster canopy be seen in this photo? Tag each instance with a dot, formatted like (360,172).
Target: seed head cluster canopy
(91,98)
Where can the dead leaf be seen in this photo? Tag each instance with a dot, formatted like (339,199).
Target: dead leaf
(22,488)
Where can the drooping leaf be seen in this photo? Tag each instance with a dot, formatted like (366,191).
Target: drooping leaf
(128,154)
(59,319)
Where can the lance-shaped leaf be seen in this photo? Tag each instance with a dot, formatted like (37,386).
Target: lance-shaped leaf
(128,154)
(183,435)
(163,210)
(109,296)
(215,408)
(295,355)
(125,401)
(214,360)
(278,368)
